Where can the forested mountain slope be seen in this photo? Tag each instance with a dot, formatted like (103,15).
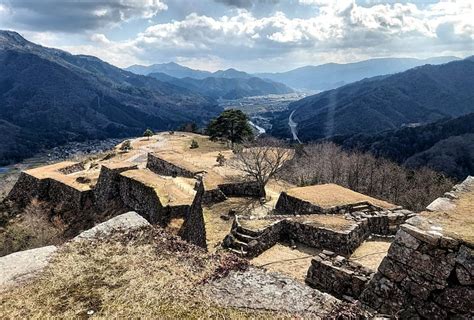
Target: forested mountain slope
(48,97)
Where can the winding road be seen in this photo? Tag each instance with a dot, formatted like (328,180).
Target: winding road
(293,126)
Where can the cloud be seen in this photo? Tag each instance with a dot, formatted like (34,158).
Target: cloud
(337,31)
(77,16)
(246,3)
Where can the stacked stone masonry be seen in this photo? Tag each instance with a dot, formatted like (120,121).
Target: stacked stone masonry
(423,275)
(337,275)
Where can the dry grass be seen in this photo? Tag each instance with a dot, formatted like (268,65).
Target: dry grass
(458,222)
(291,262)
(127,277)
(332,195)
(371,253)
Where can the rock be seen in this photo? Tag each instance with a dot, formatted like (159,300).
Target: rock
(225,217)
(125,222)
(459,298)
(407,240)
(441,204)
(421,235)
(20,266)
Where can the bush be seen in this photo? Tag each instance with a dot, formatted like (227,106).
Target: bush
(194,144)
(220,159)
(126,145)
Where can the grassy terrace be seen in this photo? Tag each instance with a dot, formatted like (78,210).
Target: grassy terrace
(331,195)
(170,191)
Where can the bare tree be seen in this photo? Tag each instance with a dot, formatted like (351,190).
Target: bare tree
(263,160)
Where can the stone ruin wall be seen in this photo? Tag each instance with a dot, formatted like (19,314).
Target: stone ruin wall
(337,275)
(29,187)
(423,275)
(340,241)
(287,204)
(193,229)
(241,189)
(107,188)
(165,168)
(26,189)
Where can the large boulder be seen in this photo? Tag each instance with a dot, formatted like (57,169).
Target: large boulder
(125,222)
(20,266)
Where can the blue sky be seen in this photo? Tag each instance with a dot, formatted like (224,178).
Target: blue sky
(251,35)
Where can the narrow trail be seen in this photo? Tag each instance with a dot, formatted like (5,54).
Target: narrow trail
(293,126)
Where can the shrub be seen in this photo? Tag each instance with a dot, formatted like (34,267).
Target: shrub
(220,159)
(126,145)
(194,144)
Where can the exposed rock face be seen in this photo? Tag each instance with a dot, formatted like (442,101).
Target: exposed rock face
(21,266)
(337,275)
(194,228)
(258,289)
(129,221)
(424,274)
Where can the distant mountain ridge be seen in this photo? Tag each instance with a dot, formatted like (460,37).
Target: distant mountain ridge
(420,95)
(178,71)
(226,88)
(49,97)
(333,75)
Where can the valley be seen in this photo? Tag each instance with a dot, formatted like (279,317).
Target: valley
(262,109)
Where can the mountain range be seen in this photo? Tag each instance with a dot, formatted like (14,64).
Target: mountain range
(178,71)
(419,95)
(333,75)
(226,88)
(314,78)
(49,97)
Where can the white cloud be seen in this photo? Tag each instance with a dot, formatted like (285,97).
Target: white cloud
(338,31)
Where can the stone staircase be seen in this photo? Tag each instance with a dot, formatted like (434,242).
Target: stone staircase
(238,240)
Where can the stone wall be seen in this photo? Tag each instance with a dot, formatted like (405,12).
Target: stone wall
(287,204)
(383,222)
(27,188)
(107,188)
(165,168)
(76,167)
(241,189)
(69,198)
(285,228)
(213,196)
(340,241)
(337,275)
(425,274)
(142,199)
(194,228)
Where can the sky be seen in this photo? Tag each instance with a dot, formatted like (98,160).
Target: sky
(249,35)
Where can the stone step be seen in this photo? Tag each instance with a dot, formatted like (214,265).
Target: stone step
(238,252)
(248,232)
(239,245)
(242,237)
